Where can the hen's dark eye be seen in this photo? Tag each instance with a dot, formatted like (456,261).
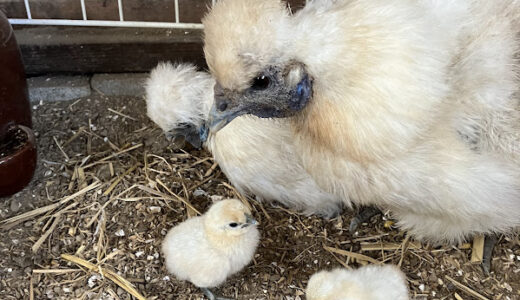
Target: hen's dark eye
(261,83)
(233,225)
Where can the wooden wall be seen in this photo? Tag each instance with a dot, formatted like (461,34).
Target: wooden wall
(190,11)
(75,50)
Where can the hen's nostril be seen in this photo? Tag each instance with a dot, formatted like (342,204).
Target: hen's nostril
(222,106)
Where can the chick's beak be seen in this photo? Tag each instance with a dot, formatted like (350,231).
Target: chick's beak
(204,132)
(190,133)
(250,220)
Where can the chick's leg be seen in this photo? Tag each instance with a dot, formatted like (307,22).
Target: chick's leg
(364,215)
(489,244)
(208,293)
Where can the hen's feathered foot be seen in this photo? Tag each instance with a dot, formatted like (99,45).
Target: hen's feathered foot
(489,244)
(364,215)
(208,293)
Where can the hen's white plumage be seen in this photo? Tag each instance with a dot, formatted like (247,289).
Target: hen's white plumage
(414,103)
(366,283)
(257,155)
(207,249)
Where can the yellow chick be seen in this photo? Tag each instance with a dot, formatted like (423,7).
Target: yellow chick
(408,105)
(257,155)
(366,283)
(207,249)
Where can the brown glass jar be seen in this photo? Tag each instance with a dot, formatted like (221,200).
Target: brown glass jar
(17,142)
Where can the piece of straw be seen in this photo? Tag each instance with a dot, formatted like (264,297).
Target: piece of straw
(42,239)
(466,289)
(357,256)
(35,212)
(120,281)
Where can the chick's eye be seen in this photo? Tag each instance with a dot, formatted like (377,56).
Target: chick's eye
(233,225)
(261,82)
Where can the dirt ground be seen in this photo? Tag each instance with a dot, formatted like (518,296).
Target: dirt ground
(109,186)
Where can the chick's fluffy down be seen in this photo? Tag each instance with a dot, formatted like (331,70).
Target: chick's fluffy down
(172,98)
(366,283)
(205,250)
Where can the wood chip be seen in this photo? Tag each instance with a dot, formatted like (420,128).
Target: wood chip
(477,252)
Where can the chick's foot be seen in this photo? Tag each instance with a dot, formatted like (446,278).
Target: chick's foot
(364,215)
(209,294)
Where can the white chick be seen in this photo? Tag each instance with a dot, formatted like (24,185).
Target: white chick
(207,249)
(366,283)
(257,155)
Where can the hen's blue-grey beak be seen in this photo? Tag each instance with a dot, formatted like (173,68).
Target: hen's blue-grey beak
(219,119)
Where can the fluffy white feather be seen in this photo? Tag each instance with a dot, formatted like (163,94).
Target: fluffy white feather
(257,155)
(366,283)
(207,249)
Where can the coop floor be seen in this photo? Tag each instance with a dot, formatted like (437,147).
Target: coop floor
(119,223)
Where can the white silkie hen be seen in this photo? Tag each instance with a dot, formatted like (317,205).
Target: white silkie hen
(408,105)
(207,249)
(366,283)
(257,155)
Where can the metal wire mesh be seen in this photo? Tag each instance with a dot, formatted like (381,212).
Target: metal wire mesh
(90,22)
(86,21)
